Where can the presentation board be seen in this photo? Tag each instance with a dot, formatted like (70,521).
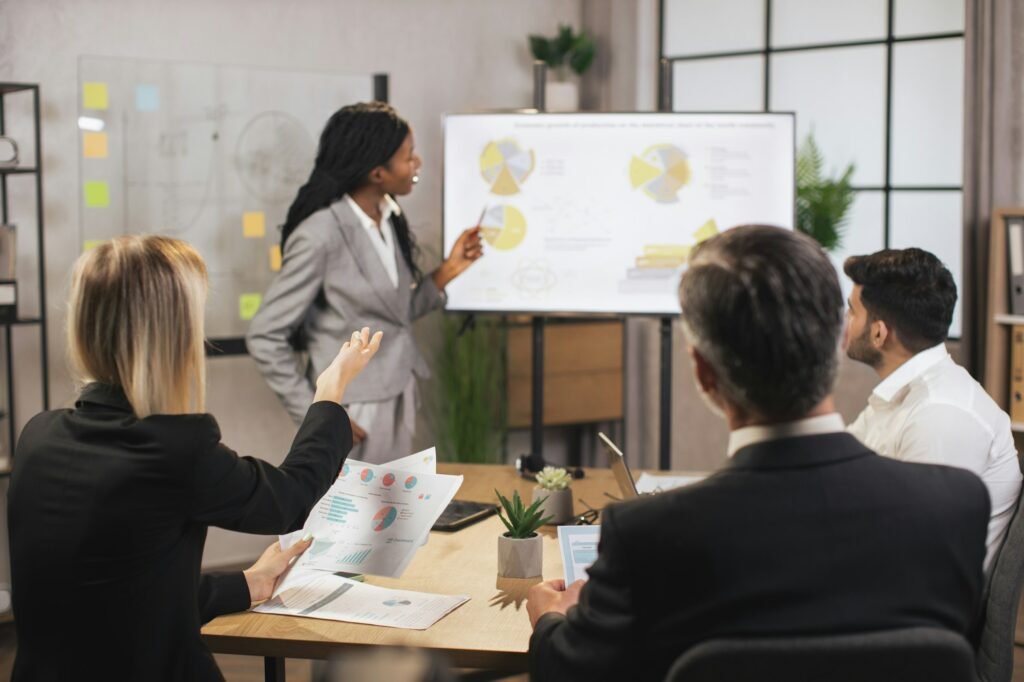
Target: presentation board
(596,213)
(208,153)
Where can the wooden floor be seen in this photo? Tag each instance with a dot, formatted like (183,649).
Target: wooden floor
(249,669)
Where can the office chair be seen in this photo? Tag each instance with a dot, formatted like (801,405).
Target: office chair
(994,656)
(906,655)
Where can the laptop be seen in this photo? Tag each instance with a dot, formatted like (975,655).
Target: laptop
(617,463)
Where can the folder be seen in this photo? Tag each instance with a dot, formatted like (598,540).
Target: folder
(1017,374)
(1015,262)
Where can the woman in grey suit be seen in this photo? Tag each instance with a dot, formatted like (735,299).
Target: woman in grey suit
(349,262)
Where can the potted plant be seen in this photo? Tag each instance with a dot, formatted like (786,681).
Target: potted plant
(469,389)
(566,51)
(520,550)
(554,494)
(821,203)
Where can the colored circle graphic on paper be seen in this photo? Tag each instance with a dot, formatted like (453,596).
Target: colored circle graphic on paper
(410,483)
(345,468)
(366,475)
(388,479)
(384,518)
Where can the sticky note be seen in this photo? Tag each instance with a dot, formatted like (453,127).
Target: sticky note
(254,225)
(147,98)
(706,231)
(94,95)
(94,145)
(275,257)
(248,304)
(97,194)
(91,244)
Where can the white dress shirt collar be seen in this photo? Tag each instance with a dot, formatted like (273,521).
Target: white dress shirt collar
(917,365)
(382,238)
(812,426)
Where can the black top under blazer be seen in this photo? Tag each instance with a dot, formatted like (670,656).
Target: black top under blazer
(108,515)
(808,535)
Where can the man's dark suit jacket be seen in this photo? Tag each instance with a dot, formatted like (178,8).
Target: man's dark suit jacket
(108,516)
(815,534)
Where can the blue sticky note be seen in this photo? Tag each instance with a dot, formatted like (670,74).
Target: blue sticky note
(147,98)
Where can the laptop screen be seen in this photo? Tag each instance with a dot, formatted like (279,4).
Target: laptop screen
(617,463)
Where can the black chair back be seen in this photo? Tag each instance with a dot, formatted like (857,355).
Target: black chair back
(994,657)
(907,655)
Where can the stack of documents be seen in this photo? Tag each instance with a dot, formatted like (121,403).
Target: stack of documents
(372,520)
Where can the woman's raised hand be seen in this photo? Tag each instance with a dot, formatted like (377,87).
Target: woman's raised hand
(347,364)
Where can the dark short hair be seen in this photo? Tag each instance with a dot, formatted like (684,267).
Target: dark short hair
(763,306)
(908,289)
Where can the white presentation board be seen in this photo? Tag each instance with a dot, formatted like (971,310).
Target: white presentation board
(596,213)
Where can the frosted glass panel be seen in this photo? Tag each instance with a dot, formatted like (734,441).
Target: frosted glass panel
(807,22)
(701,26)
(932,221)
(918,17)
(729,84)
(864,232)
(928,112)
(840,95)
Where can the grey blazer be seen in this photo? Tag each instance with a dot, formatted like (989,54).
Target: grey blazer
(332,283)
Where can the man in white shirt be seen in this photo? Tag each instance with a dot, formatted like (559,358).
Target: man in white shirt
(926,408)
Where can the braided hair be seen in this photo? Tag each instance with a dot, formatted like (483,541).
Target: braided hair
(356,139)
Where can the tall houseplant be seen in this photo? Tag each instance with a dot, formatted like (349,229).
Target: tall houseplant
(468,406)
(566,51)
(822,204)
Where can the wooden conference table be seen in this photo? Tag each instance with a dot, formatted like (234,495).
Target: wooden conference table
(489,631)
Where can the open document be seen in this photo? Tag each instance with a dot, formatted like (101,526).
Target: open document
(578,545)
(375,516)
(659,483)
(332,597)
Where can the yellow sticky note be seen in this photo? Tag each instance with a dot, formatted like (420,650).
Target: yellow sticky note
(248,304)
(706,231)
(275,257)
(94,95)
(254,224)
(94,145)
(91,244)
(97,194)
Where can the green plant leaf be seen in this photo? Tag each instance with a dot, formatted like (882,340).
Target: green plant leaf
(507,524)
(582,54)
(564,40)
(539,47)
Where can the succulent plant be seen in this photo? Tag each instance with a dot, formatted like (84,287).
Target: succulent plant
(553,478)
(522,522)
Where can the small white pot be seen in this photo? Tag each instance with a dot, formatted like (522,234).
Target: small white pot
(557,505)
(520,558)
(561,96)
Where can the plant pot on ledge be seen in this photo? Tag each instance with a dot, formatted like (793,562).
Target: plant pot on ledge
(520,558)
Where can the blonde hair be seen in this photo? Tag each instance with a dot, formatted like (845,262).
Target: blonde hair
(135,320)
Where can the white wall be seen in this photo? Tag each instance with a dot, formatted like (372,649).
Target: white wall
(441,55)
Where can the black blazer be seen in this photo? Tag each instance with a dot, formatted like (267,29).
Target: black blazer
(805,535)
(107,516)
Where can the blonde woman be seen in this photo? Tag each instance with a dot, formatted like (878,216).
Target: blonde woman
(109,501)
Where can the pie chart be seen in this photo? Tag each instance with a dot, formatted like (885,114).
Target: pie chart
(506,165)
(366,475)
(503,227)
(384,518)
(410,483)
(661,171)
(388,479)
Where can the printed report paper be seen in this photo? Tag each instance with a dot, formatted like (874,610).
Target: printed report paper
(332,597)
(651,483)
(578,545)
(374,517)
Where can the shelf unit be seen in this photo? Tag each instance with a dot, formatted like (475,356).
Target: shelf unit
(39,321)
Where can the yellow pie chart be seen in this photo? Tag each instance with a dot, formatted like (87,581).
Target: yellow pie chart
(661,171)
(504,227)
(506,165)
